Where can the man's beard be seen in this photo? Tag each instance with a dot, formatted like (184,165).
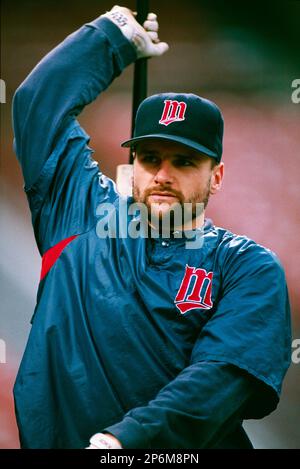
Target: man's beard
(197,198)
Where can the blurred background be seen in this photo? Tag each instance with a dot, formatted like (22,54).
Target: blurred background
(244,56)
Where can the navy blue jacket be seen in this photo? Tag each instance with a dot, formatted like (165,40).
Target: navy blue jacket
(163,346)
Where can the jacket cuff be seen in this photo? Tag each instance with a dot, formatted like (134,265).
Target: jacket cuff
(130,433)
(125,50)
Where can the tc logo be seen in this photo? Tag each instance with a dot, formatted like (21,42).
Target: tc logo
(195,290)
(174,111)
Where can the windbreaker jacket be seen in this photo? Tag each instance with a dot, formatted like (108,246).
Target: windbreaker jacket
(163,346)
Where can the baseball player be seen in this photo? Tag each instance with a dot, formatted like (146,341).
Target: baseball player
(138,341)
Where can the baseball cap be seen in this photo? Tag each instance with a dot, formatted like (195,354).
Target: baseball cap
(184,118)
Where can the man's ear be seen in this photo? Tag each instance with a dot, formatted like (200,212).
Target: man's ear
(217,178)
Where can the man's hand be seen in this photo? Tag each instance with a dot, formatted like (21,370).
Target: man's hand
(104,441)
(145,39)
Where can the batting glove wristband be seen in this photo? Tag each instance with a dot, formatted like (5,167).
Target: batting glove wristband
(145,39)
(103,441)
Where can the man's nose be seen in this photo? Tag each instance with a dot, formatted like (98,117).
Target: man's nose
(164,173)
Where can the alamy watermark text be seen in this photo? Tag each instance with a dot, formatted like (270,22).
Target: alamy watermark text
(2,351)
(135,220)
(2,91)
(296,93)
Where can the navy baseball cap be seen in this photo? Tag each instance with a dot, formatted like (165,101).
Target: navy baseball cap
(184,118)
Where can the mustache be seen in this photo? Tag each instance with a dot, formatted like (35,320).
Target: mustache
(156,189)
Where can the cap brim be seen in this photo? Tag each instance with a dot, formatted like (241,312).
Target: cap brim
(173,138)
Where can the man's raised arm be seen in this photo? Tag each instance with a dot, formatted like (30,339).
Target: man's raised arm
(72,76)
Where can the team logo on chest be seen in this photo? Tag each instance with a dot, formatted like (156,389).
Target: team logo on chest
(174,111)
(195,290)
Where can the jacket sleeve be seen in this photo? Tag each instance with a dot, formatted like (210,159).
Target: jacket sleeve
(62,181)
(200,408)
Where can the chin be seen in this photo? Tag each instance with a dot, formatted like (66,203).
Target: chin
(160,215)
(160,210)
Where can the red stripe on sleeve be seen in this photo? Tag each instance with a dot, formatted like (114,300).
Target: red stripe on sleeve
(51,256)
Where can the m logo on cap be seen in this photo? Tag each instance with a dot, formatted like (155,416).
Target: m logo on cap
(174,111)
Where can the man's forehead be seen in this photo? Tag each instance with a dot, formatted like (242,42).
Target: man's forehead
(158,146)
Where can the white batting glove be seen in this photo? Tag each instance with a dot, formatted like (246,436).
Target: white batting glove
(103,441)
(145,39)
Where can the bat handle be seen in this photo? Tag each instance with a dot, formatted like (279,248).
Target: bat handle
(125,171)
(140,80)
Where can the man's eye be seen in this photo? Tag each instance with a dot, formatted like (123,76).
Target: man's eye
(150,159)
(183,162)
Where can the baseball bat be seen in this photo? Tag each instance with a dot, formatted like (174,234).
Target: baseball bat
(140,85)
(140,82)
